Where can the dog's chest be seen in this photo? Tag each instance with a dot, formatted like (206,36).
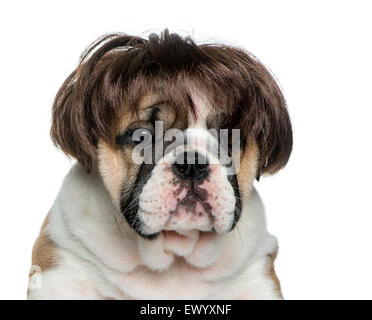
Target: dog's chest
(178,282)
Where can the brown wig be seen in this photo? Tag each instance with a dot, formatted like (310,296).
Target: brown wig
(118,69)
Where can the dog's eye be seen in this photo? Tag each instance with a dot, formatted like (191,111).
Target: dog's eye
(134,137)
(141,135)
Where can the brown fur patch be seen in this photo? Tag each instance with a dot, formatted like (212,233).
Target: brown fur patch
(248,169)
(271,272)
(43,253)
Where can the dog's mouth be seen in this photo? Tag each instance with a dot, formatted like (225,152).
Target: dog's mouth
(193,205)
(193,208)
(191,212)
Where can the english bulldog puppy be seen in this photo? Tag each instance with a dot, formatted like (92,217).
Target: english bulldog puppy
(169,137)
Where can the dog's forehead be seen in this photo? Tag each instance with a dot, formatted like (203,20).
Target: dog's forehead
(202,110)
(198,116)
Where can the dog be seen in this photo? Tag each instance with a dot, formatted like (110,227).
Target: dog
(140,216)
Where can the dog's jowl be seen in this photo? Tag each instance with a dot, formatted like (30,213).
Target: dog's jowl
(169,136)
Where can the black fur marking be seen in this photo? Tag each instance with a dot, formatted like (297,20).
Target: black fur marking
(129,204)
(238,205)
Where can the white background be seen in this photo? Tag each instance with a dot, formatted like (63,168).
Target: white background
(319,207)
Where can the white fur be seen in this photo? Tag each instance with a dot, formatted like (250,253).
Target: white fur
(100,257)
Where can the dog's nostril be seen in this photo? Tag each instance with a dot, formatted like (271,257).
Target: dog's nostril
(182,167)
(191,166)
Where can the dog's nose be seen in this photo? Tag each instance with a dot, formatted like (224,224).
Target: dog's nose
(191,166)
